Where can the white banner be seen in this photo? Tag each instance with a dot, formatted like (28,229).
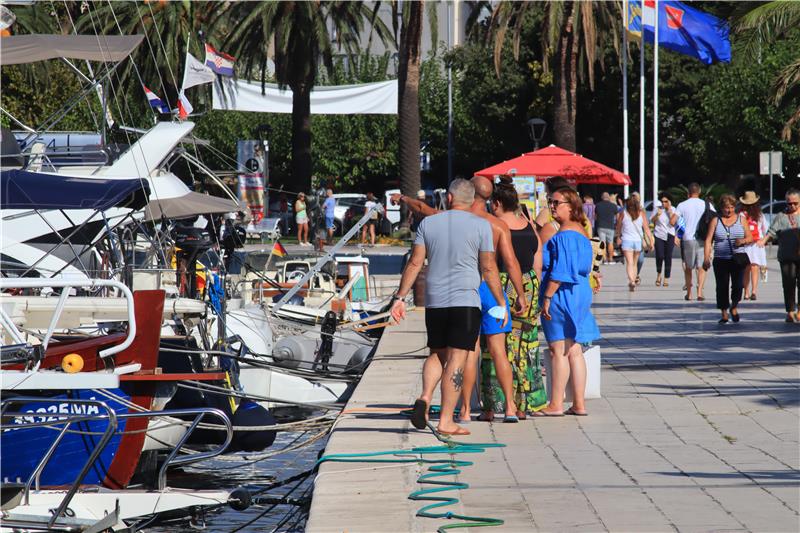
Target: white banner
(368,98)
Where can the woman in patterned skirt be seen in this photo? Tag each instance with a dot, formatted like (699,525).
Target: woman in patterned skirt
(522,343)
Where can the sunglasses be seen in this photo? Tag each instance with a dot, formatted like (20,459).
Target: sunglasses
(555,203)
(793,204)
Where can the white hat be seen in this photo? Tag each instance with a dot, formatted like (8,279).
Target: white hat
(421,194)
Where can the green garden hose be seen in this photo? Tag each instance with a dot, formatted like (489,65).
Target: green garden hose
(439,468)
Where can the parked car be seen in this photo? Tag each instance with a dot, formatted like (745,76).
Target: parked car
(343,202)
(778,206)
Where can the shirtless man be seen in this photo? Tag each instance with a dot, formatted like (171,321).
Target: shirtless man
(494,332)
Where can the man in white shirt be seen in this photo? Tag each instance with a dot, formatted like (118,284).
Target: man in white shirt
(692,210)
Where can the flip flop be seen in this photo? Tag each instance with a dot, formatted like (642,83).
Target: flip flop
(701,298)
(510,419)
(543,414)
(573,412)
(460,431)
(418,414)
(484,417)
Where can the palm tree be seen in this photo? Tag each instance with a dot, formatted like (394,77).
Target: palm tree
(571,34)
(298,35)
(408,98)
(762,26)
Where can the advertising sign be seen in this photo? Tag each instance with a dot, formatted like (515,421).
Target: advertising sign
(253,177)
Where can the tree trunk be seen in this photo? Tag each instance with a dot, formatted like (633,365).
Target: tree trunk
(301,138)
(565,84)
(408,105)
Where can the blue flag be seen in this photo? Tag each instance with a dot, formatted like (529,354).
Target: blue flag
(681,29)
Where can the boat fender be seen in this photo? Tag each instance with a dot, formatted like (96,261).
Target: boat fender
(289,352)
(252,415)
(240,499)
(72,363)
(357,360)
(325,351)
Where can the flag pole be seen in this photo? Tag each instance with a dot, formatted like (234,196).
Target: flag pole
(641,116)
(655,109)
(625,146)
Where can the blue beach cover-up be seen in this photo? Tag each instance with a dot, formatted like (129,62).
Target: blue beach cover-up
(567,257)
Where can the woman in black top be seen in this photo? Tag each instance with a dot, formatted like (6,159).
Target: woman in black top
(522,343)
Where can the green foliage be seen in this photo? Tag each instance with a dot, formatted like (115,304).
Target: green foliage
(680,193)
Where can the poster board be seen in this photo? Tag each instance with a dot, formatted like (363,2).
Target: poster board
(531,193)
(251,157)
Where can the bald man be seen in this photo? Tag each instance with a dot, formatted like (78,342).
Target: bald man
(494,333)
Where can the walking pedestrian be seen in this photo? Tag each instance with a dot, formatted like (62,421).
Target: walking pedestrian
(785,229)
(757,223)
(664,234)
(566,302)
(452,302)
(606,220)
(695,213)
(522,342)
(372,222)
(632,227)
(589,211)
(301,219)
(330,209)
(728,233)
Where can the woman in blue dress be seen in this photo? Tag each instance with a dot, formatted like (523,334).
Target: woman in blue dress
(567,319)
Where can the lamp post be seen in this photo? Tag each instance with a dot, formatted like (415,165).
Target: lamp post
(536,129)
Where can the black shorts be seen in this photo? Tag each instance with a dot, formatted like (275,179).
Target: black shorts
(452,327)
(371,222)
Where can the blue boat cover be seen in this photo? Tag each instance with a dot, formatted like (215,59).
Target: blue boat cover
(20,189)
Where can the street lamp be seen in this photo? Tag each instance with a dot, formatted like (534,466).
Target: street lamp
(536,129)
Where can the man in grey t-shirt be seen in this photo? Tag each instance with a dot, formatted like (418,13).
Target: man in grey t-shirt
(458,246)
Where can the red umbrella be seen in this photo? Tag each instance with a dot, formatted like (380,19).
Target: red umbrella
(555,161)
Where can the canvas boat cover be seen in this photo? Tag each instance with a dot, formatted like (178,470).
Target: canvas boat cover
(367,98)
(17,49)
(189,205)
(20,189)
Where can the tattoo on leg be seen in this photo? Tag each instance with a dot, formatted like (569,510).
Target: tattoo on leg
(458,378)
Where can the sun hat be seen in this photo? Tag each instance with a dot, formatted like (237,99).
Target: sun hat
(749,198)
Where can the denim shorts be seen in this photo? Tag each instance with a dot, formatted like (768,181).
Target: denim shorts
(329,222)
(632,246)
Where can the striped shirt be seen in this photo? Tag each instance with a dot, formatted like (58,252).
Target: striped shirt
(725,238)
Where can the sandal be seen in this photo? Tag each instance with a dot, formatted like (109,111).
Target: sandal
(459,431)
(545,414)
(486,417)
(665,284)
(418,414)
(573,412)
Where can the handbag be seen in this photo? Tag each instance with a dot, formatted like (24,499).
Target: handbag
(741,258)
(647,242)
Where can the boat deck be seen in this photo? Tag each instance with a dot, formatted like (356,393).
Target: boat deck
(697,429)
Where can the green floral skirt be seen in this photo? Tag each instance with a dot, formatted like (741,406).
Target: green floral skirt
(522,348)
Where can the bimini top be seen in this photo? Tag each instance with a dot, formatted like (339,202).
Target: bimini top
(19,49)
(32,190)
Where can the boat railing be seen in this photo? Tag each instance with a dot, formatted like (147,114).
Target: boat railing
(53,158)
(113,418)
(8,325)
(67,420)
(199,413)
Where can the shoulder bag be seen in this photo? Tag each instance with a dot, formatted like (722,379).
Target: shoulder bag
(741,258)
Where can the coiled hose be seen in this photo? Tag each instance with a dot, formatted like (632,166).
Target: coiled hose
(439,468)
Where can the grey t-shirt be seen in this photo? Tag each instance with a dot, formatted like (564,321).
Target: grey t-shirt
(453,239)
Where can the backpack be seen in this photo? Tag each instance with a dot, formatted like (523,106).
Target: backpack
(703,224)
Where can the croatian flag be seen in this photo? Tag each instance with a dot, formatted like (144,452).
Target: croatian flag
(155,102)
(219,62)
(184,107)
